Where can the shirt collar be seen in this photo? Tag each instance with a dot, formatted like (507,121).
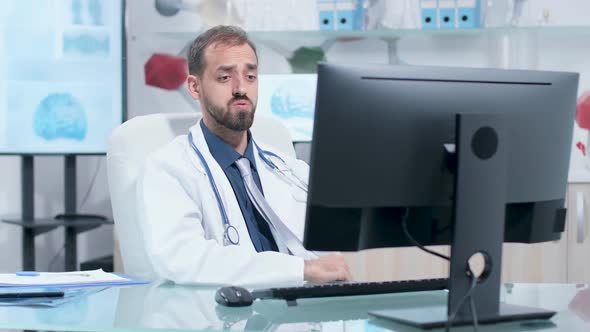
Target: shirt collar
(223,153)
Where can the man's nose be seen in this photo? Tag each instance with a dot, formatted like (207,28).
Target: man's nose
(238,89)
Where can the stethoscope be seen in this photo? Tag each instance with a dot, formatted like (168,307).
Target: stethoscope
(230,233)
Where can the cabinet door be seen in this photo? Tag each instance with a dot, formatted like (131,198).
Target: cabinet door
(578,249)
(397,264)
(535,263)
(117,262)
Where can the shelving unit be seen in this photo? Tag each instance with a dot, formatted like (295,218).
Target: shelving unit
(32,227)
(393,33)
(392,36)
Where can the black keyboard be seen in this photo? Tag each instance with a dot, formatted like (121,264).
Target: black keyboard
(350,288)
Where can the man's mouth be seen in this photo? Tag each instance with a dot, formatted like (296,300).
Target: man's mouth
(241,103)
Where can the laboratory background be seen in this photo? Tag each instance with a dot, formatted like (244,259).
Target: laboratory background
(73,70)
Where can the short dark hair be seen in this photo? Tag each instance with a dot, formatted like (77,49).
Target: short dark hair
(221,34)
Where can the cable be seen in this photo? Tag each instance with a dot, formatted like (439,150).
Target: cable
(416,243)
(467,295)
(473,312)
(91,184)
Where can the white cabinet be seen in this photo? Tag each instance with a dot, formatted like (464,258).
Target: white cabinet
(117,261)
(578,243)
(397,264)
(540,262)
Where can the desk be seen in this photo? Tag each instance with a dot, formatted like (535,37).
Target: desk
(168,307)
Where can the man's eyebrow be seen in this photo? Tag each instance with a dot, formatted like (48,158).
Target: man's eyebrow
(249,66)
(226,68)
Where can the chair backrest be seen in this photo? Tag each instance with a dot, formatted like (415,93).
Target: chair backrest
(131,143)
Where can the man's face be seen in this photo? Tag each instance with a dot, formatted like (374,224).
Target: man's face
(228,89)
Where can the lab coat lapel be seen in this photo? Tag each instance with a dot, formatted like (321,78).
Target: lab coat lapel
(226,191)
(277,193)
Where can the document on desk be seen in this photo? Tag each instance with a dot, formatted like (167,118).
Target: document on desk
(39,299)
(66,279)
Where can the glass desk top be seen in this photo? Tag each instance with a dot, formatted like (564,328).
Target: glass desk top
(170,307)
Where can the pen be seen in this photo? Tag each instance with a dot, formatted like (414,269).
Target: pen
(29,293)
(37,274)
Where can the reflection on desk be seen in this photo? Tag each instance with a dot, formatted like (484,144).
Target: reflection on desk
(166,306)
(169,306)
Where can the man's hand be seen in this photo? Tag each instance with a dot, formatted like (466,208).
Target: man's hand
(326,269)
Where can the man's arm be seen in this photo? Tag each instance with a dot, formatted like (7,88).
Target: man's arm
(327,268)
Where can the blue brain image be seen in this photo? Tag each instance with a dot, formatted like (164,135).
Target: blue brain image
(293,99)
(60,115)
(86,44)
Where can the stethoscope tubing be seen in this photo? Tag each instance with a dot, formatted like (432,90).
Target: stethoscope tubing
(230,233)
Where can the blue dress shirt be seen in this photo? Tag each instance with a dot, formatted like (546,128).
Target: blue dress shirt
(226,157)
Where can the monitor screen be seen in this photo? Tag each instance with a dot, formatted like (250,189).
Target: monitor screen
(61,75)
(379,152)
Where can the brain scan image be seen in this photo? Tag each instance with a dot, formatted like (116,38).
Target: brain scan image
(60,115)
(69,97)
(85,43)
(291,98)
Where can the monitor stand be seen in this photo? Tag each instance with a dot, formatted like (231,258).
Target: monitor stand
(478,219)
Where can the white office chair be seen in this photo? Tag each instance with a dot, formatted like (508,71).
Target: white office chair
(130,144)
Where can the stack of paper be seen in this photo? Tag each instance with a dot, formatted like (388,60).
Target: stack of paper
(66,279)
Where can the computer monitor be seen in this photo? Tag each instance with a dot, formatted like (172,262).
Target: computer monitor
(467,157)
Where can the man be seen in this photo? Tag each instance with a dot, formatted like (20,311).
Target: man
(200,198)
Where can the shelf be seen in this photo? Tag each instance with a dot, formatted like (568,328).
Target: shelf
(397,33)
(57,222)
(43,225)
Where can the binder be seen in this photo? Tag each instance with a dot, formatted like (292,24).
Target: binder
(447,14)
(345,13)
(468,14)
(429,14)
(326,10)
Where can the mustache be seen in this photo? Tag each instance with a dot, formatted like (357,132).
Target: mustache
(239,98)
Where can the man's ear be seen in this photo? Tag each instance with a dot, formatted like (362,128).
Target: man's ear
(193,83)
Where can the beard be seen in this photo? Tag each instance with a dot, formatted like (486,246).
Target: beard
(236,121)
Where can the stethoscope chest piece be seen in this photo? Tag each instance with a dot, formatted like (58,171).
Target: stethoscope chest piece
(231,235)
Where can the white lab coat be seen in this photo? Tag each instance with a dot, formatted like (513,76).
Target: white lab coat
(181,224)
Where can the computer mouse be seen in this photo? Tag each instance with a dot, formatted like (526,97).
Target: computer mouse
(233,296)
